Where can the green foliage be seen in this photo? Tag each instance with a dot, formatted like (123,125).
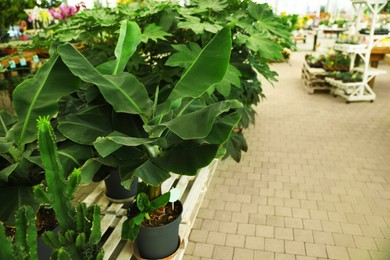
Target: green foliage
(25,244)
(131,226)
(168,28)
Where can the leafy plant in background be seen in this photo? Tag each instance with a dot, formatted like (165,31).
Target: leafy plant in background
(167,28)
(20,165)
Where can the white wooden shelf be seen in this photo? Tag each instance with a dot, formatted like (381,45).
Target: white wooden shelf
(193,189)
(350,48)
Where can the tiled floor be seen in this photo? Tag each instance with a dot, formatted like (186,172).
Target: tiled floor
(315,183)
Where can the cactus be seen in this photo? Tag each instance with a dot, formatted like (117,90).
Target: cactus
(25,244)
(80,230)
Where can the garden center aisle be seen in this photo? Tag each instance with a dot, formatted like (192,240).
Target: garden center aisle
(315,183)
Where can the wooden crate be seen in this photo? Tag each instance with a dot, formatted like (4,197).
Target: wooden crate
(193,190)
(314,79)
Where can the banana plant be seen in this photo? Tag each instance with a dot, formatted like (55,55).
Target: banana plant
(149,135)
(79,228)
(20,166)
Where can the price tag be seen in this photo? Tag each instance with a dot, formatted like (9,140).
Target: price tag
(12,64)
(22,62)
(36,58)
(175,193)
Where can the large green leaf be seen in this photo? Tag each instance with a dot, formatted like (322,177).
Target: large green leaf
(123,91)
(14,197)
(198,124)
(223,128)
(129,38)
(208,68)
(86,125)
(109,144)
(151,174)
(6,121)
(4,173)
(40,96)
(187,157)
(215,5)
(197,26)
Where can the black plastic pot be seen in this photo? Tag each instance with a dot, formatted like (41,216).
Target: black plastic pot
(159,242)
(44,251)
(115,192)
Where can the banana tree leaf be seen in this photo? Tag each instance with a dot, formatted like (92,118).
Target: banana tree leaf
(86,125)
(203,120)
(129,38)
(187,157)
(123,91)
(222,129)
(39,96)
(88,170)
(12,199)
(4,145)
(151,174)
(207,69)
(107,145)
(6,121)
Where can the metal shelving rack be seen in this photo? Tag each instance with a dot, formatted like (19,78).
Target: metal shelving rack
(360,91)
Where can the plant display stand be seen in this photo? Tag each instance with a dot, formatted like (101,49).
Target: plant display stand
(193,190)
(314,79)
(360,91)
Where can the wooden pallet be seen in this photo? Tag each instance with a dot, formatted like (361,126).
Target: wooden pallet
(314,79)
(193,190)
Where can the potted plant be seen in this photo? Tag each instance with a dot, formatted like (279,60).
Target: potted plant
(150,135)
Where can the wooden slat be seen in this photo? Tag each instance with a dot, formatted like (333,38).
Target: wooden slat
(91,199)
(113,240)
(114,208)
(106,222)
(182,184)
(127,251)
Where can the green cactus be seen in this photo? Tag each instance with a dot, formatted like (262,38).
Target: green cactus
(25,244)
(80,231)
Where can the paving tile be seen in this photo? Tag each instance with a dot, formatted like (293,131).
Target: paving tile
(223,252)
(274,245)
(375,255)
(280,256)
(254,243)
(358,254)
(246,229)
(265,231)
(228,227)
(331,226)
(240,217)
(383,244)
(337,252)
(293,222)
(352,229)
(315,250)
(323,238)
(284,233)
(203,250)
(210,225)
(301,213)
(345,240)
(312,224)
(303,235)
(242,253)
(262,255)
(295,247)
(234,240)
(365,243)
(301,257)
(275,221)
(216,238)
(199,235)
(283,211)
